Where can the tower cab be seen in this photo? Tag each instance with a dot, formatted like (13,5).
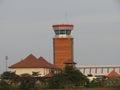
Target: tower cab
(63,30)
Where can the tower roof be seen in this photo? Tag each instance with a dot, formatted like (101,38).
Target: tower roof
(70,62)
(32,62)
(63,25)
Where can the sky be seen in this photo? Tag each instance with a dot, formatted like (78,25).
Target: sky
(26,27)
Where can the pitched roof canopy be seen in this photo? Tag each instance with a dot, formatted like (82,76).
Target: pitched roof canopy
(32,62)
(70,62)
(113,73)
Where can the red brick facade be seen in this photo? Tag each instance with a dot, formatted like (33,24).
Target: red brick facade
(63,51)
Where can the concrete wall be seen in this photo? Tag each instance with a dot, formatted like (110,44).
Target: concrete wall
(42,71)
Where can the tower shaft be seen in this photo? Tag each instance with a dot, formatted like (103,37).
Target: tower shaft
(63,45)
(63,51)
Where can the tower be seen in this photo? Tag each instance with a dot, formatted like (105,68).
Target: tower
(62,44)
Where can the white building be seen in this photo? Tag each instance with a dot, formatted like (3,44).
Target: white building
(98,70)
(31,64)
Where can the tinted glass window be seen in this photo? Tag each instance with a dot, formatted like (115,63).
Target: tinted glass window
(62,31)
(68,32)
(57,32)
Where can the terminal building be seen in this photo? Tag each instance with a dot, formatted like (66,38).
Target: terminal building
(99,70)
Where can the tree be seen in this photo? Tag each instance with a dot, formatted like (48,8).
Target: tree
(27,82)
(56,81)
(35,74)
(10,77)
(96,83)
(4,85)
(75,76)
(70,77)
(112,82)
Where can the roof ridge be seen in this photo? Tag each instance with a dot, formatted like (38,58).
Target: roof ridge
(48,64)
(32,62)
(30,55)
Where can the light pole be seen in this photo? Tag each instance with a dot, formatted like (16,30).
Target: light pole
(6,59)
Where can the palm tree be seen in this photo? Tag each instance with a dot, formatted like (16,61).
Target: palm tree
(35,74)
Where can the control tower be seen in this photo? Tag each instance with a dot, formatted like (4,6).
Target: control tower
(62,44)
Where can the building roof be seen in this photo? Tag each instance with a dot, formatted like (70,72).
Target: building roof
(44,63)
(69,62)
(63,25)
(32,62)
(113,73)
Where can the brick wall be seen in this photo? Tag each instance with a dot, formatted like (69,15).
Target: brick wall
(63,51)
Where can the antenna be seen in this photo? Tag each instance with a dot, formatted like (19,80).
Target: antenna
(6,59)
(66,17)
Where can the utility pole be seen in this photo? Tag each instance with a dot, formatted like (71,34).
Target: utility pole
(6,61)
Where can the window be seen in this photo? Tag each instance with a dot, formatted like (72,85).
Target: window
(62,31)
(57,32)
(68,32)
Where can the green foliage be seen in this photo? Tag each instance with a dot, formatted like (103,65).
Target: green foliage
(35,74)
(56,81)
(11,78)
(112,82)
(7,75)
(4,85)
(27,82)
(69,78)
(75,76)
(96,83)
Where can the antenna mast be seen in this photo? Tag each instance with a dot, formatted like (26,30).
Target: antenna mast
(6,59)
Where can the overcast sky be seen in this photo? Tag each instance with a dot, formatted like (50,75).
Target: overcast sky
(26,27)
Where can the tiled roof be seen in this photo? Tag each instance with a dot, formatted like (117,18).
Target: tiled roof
(32,62)
(113,73)
(69,62)
(44,63)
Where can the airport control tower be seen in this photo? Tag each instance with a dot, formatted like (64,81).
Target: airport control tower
(63,44)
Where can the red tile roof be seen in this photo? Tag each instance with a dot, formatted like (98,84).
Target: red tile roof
(32,62)
(113,73)
(63,25)
(44,63)
(69,62)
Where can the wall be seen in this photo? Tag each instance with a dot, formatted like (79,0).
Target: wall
(63,51)
(42,71)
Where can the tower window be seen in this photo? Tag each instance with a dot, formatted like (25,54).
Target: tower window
(57,32)
(68,32)
(62,31)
